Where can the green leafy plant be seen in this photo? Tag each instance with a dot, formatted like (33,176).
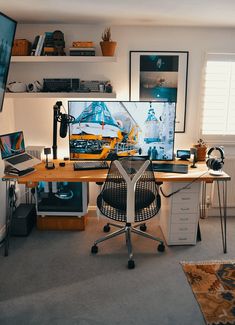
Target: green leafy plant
(106,35)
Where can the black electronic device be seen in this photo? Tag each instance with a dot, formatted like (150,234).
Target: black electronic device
(214,163)
(62,164)
(23,219)
(87,165)
(170,168)
(61,85)
(7,28)
(183,154)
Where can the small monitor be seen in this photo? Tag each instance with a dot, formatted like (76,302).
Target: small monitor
(7,33)
(104,130)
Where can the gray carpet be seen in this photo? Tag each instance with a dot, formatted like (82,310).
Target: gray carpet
(50,277)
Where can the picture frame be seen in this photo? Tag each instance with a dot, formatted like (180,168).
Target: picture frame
(160,76)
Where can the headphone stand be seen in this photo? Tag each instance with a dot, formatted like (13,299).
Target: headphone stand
(216,172)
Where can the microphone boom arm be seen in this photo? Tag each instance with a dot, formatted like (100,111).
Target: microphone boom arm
(56,110)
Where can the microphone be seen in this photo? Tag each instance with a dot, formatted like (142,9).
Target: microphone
(64,125)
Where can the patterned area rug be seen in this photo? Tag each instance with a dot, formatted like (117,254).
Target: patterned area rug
(213,284)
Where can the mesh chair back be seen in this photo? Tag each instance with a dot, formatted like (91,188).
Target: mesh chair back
(112,200)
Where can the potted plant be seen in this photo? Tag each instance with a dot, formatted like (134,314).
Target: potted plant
(201,150)
(107,45)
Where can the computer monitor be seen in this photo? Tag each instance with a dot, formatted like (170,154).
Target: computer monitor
(7,33)
(103,130)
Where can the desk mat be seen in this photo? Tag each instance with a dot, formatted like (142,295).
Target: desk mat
(213,285)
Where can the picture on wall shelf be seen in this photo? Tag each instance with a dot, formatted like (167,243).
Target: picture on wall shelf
(160,76)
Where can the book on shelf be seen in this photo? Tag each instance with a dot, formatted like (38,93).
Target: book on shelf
(82,49)
(40,44)
(34,46)
(86,44)
(82,53)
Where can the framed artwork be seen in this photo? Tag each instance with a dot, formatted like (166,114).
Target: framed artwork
(160,76)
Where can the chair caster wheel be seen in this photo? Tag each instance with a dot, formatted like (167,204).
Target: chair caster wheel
(131,264)
(94,249)
(161,247)
(143,227)
(106,228)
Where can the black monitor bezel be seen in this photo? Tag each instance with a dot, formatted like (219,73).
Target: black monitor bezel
(9,59)
(123,101)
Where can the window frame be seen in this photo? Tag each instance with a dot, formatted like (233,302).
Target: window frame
(213,139)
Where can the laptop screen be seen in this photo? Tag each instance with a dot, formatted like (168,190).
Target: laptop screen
(12,144)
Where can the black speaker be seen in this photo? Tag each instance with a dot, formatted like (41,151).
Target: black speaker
(215,163)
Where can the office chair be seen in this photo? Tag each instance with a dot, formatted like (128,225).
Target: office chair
(130,196)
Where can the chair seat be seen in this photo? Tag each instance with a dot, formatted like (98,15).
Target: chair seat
(117,199)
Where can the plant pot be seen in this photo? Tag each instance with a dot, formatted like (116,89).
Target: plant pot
(201,152)
(108,48)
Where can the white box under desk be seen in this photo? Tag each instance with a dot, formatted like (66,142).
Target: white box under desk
(179,214)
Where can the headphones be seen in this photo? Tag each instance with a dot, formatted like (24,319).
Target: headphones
(215,163)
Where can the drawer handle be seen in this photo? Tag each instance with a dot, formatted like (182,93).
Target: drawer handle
(184,219)
(184,209)
(183,238)
(185,198)
(183,229)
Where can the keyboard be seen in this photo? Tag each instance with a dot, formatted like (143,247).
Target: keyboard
(19,159)
(85,165)
(170,168)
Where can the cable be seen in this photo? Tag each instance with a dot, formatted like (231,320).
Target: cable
(182,188)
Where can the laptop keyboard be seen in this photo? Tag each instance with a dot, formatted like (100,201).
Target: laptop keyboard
(19,159)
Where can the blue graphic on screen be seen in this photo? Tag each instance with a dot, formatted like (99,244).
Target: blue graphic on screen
(105,130)
(12,144)
(7,33)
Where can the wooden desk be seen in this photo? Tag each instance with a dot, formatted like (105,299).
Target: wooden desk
(67,174)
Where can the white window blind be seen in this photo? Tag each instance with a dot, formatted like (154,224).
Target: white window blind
(218,117)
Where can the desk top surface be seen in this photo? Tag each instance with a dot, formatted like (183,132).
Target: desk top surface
(67,174)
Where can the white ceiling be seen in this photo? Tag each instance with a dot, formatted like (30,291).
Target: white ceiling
(205,13)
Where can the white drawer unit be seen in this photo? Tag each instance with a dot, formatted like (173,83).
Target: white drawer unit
(179,213)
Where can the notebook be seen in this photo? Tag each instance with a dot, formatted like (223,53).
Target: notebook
(13,151)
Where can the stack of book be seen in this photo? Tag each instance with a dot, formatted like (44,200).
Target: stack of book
(43,44)
(82,49)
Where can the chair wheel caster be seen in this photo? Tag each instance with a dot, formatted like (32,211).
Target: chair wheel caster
(131,264)
(94,249)
(143,227)
(106,228)
(161,247)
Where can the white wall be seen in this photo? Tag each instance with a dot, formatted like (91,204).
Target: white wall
(7,124)
(35,116)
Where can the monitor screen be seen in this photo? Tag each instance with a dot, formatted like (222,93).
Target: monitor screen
(7,33)
(104,130)
(12,144)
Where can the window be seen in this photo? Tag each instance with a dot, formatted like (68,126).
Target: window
(218,115)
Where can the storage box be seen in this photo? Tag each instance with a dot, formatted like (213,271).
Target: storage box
(23,219)
(21,47)
(61,223)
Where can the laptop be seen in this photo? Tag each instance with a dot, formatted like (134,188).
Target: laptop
(13,152)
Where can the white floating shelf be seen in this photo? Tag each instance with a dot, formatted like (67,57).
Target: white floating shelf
(61,59)
(60,95)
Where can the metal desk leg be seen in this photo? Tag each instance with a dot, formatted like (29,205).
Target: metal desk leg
(10,194)
(203,202)
(223,211)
